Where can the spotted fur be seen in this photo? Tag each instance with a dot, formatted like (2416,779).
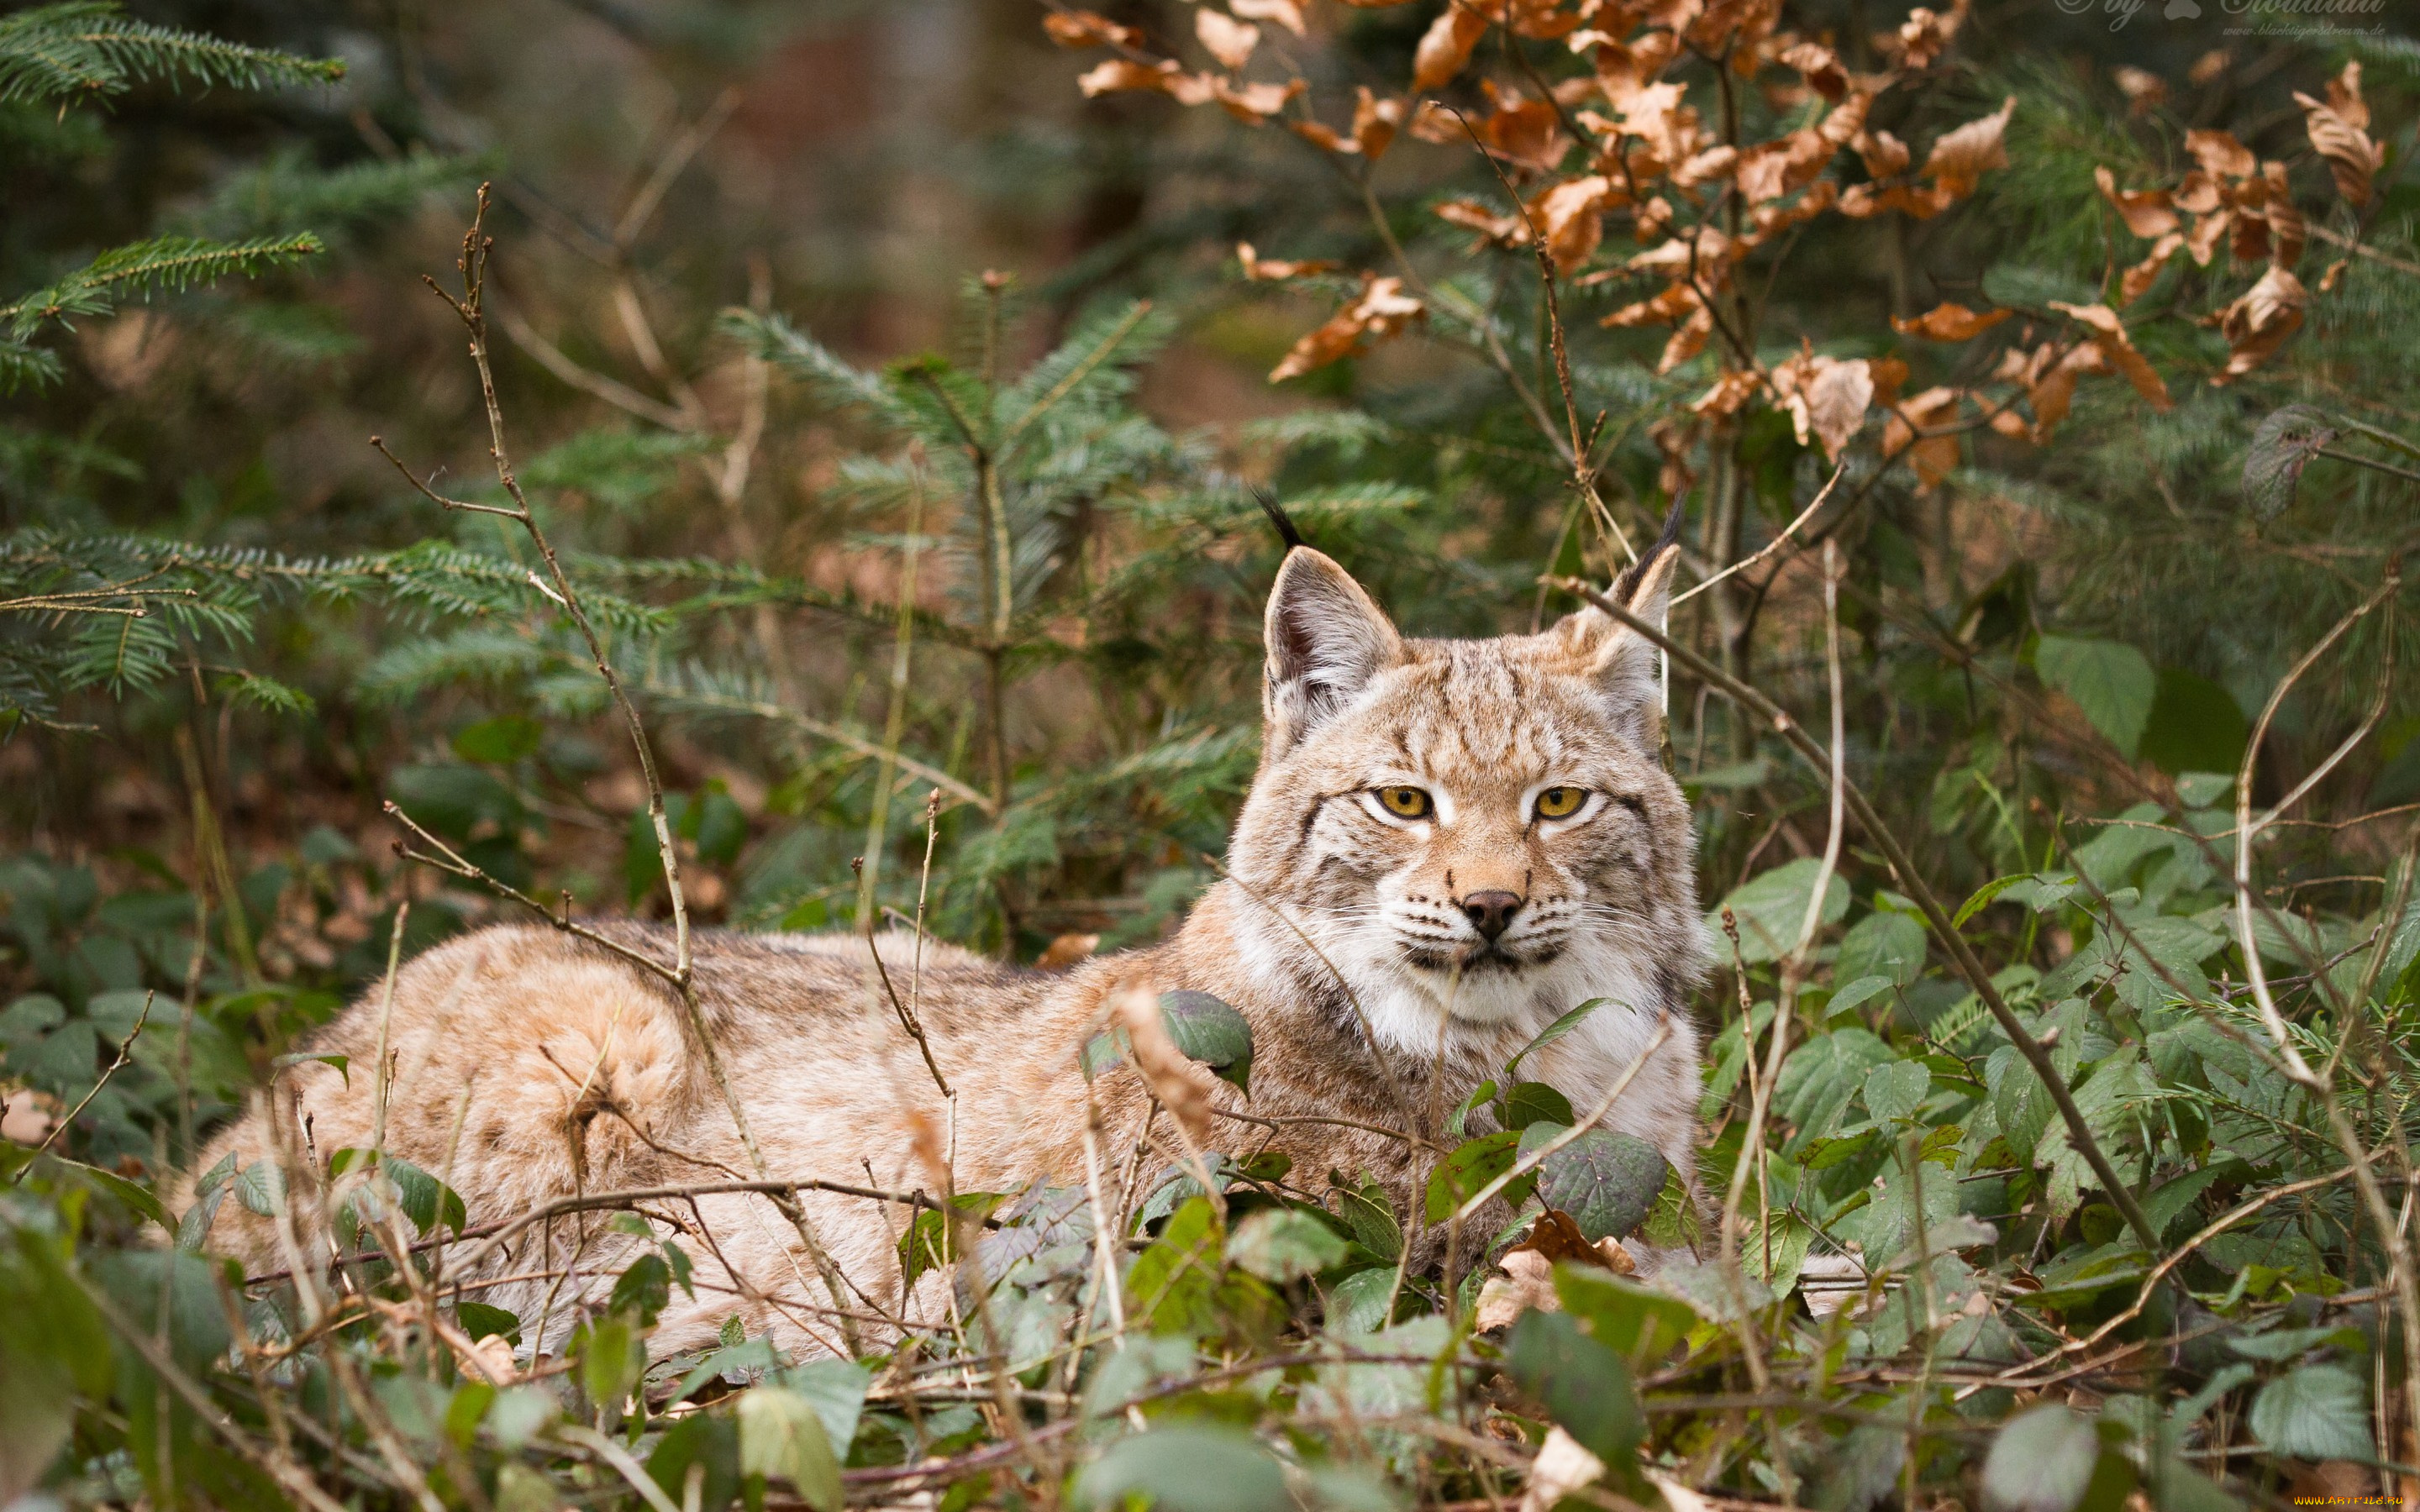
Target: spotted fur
(526,1066)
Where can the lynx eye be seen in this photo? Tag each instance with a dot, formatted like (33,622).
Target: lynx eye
(1406,803)
(1560,803)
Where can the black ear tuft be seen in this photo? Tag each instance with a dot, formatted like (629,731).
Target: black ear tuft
(1279,517)
(1626,586)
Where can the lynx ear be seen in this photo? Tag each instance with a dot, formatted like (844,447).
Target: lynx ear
(1325,640)
(1621,660)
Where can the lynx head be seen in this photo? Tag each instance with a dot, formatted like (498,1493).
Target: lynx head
(1477,835)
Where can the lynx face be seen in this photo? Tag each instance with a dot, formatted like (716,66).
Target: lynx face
(1475,834)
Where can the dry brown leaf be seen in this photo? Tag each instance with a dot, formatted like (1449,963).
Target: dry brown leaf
(1525,130)
(1960,158)
(1445,50)
(1704,259)
(2249,242)
(26,1115)
(2136,281)
(1616,1259)
(1891,374)
(1432,122)
(1687,341)
(1229,40)
(1085,28)
(2209,65)
(1657,115)
(1860,201)
(1678,301)
(1528,1281)
(1255,103)
(2117,348)
(1675,439)
(1934,457)
(2202,241)
(1624,69)
(1846,121)
(2334,276)
(1563,1465)
(1383,310)
(1324,137)
(2259,322)
(1729,397)
(2199,192)
(1827,398)
(2147,212)
(1166,77)
(1499,230)
(2144,90)
(1374,121)
(1714,163)
(2340,133)
(1182,1086)
(1543,21)
(1883,154)
(1819,66)
(1556,1236)
(2287,230)
(1923,37)
(1950,322)
(1286,13)
(1265,269)
(2220,154)
(1571,217)
(1771,219)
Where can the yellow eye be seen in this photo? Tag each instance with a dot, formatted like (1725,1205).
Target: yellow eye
(1560,803)
(1406,803)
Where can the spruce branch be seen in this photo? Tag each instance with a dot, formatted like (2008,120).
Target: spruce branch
(89,48)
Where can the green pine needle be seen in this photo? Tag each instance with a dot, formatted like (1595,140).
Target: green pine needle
(88,49)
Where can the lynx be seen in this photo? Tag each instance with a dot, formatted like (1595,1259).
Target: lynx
(1448,844)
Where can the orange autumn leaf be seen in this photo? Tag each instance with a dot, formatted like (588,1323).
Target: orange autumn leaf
(2259,322)
(2209,65)
(1085,28)
(1949,322)
(2287,229)
(1373,123)
(2109,335)
(1525,130)
(1255,103)
(1678,301)
(2144,90)
(2220,155)
(1571,216)
(1933,458)
(1382,310)
(2137,279)
(2340,131)
(1286,13)
(1960,159)
(2147,212)
(1124,74)
(1923,37)
(2048,374)
(1729,397)
(1773,218)
(1445,49)
(1827,398)
(1263,269)
(1883,154)
(1498,230)
(1229,40)
(1819,66)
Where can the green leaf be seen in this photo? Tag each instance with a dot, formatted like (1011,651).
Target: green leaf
(2195,726)
(1529,1103)
(1370,1212)
(929,1241)
(1357,1303)
(1856,993)
(2111,682)
(837,1390)
(1982,896)
(705,1444)
(1458,1122)
(1771,909)
(607,1358)
(1886,944)
(1551,1032)
(1209,1031)
(643,1291)
(343,1063)
(2320,1411)
(2042,1461)
(135,1197)
(1473,1164)
(1186,1468)
(781,1438)
(261,1187)
(1580,1381)
(479,1320)
(1283,1244)
(1896,1090)
(1606,1180)
(1641,1326)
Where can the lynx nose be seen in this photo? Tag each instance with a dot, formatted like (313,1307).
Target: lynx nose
(1491,912)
